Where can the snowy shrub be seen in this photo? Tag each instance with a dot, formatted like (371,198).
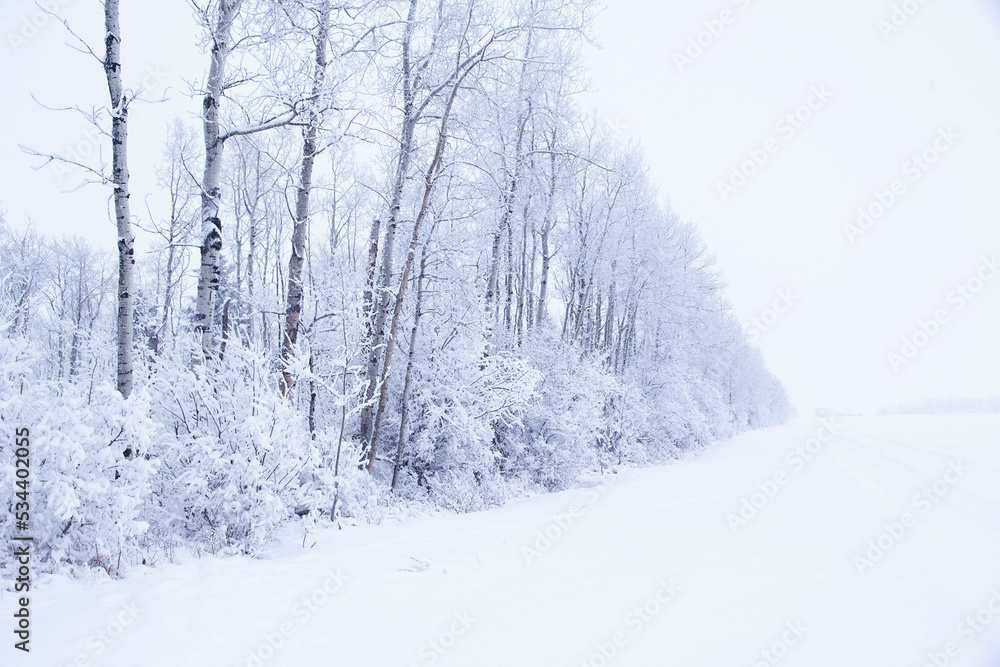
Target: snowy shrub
(90,471)
(566,426)
(235,466)
(93,473)
(460,413)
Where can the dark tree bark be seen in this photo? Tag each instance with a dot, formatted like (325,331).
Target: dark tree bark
(293,309)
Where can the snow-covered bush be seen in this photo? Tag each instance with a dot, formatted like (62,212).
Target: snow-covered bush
(90,464)
(466,411)
(565,426)
(237,458)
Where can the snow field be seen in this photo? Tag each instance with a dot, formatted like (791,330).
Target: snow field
(645,568)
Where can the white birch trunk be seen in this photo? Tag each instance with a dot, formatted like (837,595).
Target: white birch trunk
(119,178)
(211,223)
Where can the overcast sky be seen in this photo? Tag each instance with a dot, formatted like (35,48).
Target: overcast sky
(767,123)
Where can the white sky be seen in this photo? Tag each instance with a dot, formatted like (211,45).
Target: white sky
(782,230)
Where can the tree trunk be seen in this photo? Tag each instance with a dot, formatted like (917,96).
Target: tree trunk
(368,307)
(251,259)
(429,179)
(509,279)
(609,328)
(119,178)
(491,282)
(595,326)
(522,280)
(375,343)
(543,282)
(225,329)
(168,293)
(312,399)
(293,310)
(510,197)
(530,287)
(409,366)
(211,223)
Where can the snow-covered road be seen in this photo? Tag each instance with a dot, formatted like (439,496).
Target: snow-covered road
(874,545)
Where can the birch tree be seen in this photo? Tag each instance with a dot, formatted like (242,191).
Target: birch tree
(24,256)
(119,180)
(310,132)
(219,20)
(211,222)
(463,70)
(424,78)
(376,305)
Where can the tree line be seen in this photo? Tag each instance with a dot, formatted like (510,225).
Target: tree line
(395,261)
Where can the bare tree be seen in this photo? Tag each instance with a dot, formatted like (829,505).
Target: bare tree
(220,24)
(411,358)
(310,131)
(211,223)
(176,229)
(119,179)
(465,66)
(77,285)
(24,259)
(419,91)
(377,311)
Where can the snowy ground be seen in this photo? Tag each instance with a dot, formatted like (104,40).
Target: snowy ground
(882,549)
